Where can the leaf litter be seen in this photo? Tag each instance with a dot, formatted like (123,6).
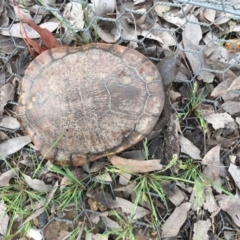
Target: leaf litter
(202,141)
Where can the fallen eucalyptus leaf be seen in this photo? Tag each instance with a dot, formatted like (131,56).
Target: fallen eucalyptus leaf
(172,225)
(188,148)
(218,120)
(4,218)
(9,122)
(135,166)
(37,184)
(13,145)
(200,229)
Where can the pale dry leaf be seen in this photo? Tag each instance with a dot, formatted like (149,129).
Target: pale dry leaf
(231,107)
(111,224)
(51,194)
(193,30)
(7,176)
(73,12)
(106,200)
(160,9)
(222,17)
(103,7)
(221,88)
(104,177)
(4,218)
(13,145)
(174,194)
(231,206)
(37,184)
(210,202)
(129,188)
(173,224)
(189,148)
(16,30)
(238,121)
(164,38)
(197,60)
(96,166)
(235,85)
(135,166)
(6,94)
(197,203)
(104,35)
(22,13)
(200,229)
(34,215)
(235,173)
(231,83)
(124,30)
(212,160)
(219,120)
(9,122)
(4,19)
(35,234)
(128,207)
(124,178)
(100,237)
(209,14)
(173,17)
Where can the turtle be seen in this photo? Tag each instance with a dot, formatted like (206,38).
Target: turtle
(79,104)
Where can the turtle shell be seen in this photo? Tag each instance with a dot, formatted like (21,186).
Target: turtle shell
(80,104)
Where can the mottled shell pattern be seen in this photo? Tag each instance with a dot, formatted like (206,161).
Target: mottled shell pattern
(80,104)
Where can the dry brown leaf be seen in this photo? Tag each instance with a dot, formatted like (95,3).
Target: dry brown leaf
(197,60)
(4,218)
(22,12)
(6,94)
(174,194)
(9,122)
(34,215)
(231,206)
(235,173)
(173,224)
(37,184)
(74,14)
(4,19)
(7,176)
(15,30)
(193,32)
(111,224)
(212,170)
(104,177)
(99,237)
(200,229)
(188,148)
(160,9)
(124,178)
(219,120)
(35,234)
(106,200)
(231,107)
(136,166)
(103,7)
(13,145)
(235,85)
(209,14)
(209,201)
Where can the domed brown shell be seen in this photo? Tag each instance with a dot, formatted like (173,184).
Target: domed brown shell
(80,104)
